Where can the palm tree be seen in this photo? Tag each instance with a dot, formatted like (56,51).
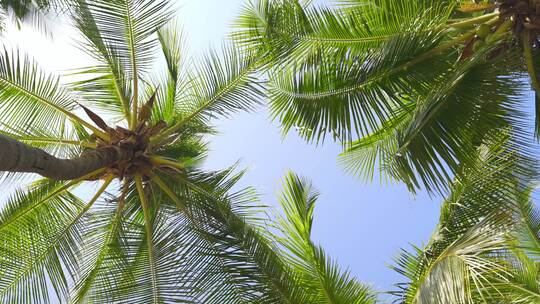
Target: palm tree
(486,246)
(411,88)
(156,229)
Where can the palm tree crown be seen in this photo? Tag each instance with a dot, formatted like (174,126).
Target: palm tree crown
(412,87)
(140,237)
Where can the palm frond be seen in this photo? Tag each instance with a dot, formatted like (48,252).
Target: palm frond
(175,80)
(461,263)
(39,243)
(363,155)
(30,97)
(528,232)
(103,258)
(344,97)
(295,32)
(221,84)
(426,146)
(110,243)
(121,34)
(240,264)
(321,276)
(476,101)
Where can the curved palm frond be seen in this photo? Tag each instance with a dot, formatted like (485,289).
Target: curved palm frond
(321,276)
(120,34)
(242,265)
(427,142)
(294,31)
(348,97)
(462,262)
(454,118)
(31,97)
(175,80)
(40,233)
(220,84)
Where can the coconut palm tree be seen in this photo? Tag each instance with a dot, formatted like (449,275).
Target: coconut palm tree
(411,88)
(485,246)
(155,228)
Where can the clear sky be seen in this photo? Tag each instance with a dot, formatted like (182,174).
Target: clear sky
(361,225)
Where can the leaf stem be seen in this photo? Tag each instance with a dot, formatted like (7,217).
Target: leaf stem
(527,50)
(149,237)
(133,55)
(161,184)
(156,160)
(473,21)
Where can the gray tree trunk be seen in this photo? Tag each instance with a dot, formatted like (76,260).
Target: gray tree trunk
(18,157)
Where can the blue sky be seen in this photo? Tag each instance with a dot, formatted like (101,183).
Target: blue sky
(361,225)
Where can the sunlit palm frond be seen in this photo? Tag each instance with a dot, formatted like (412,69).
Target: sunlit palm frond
(159,251)
(105,88)
(29,96)
(245,265)
(40,232)
(346,97)
(220,84)
(363,156)
(461,263)
(476,102)
(292,31)
(175,80)
(458,274)
(104,265)
(321,276)
(427,146)
(201,249)
(122,35)
(528,232)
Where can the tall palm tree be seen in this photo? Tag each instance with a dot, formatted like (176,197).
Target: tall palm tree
(409,87)
(155,229)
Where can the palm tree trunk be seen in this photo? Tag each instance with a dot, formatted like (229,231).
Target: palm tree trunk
(18,157)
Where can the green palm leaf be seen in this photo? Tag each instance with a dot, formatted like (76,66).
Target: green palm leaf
(462,262)
(30,97)
(221,84)
(40,231)
(325,282)
(122,35)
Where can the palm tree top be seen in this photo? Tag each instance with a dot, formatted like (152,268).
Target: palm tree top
(410,88)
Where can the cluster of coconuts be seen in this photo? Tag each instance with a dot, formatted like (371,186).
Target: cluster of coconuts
(524,13)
